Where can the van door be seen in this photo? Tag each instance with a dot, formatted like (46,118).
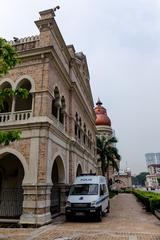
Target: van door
(104,196)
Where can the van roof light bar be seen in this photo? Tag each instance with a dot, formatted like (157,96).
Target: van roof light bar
(87,174)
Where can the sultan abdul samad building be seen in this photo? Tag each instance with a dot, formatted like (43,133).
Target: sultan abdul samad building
(57,121)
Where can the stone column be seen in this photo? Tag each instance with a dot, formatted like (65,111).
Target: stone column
(36,205)
(71,163)
(13,108)
(65,122)
(33,103)
(63,197)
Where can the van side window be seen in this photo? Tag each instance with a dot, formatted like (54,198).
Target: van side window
(104,188)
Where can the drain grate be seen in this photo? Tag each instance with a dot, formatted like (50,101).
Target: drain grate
(9,225)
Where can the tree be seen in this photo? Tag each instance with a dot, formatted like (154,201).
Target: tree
(8,57)
(140,179)
(8,60)
(158,179)
(108,154)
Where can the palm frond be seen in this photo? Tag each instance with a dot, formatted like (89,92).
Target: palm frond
(107,152)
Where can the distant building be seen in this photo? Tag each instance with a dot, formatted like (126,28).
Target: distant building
(158,157)
(123,179)
(151,182)
(153,165)
(154,169)
(150,158)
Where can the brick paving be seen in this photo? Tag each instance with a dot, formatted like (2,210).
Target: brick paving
(126,221)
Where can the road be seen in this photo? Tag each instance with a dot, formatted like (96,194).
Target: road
(127,221)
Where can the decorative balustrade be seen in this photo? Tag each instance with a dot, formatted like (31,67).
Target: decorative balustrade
(25,115)
(16,116)
(22,115)
(5,117)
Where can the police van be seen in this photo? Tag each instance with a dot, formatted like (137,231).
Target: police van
(88,196)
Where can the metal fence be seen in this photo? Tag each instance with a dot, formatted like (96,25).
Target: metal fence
(11,202)
(55,200)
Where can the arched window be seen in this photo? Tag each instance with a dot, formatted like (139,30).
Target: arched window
(79,170)
(11,177)
(22,104)
(76,124)
(79,129)
(7,103)
(55,175)
(54,109)
(90,141)
(56,102)
(58,177)
(62,110)
(84,133)
(88,137)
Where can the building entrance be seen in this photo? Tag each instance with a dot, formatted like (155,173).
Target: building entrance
(11,192)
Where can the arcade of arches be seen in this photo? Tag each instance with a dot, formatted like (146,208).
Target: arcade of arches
(12,189)
(17,103)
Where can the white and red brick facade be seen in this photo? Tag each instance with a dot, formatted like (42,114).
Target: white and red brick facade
(57,123)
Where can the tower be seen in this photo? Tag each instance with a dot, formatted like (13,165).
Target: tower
(103,122)
(103,125)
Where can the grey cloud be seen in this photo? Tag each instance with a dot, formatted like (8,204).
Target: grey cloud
(121,39)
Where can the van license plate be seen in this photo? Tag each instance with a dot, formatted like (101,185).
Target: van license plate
(80,214)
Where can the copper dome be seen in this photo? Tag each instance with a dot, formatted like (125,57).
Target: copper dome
(101,115)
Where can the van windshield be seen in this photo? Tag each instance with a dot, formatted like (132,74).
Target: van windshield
(84,189)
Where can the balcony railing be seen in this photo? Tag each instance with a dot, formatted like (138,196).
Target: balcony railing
(22,115)
(16,116)
(5,117)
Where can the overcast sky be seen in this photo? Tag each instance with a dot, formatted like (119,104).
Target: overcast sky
(121,39)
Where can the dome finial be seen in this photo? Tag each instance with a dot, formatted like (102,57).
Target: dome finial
(99,102)
(102,118)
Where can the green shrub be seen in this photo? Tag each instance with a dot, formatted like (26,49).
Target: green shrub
(154,203)
(112,193)
(149,199)
(128,190)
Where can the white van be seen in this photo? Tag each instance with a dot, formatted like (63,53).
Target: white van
(88,196)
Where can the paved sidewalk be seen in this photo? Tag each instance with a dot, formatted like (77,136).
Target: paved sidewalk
(127,221)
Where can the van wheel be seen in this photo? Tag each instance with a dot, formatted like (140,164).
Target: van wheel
(108,208)
(99,215)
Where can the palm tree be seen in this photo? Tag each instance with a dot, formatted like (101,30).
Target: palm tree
(108,154)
